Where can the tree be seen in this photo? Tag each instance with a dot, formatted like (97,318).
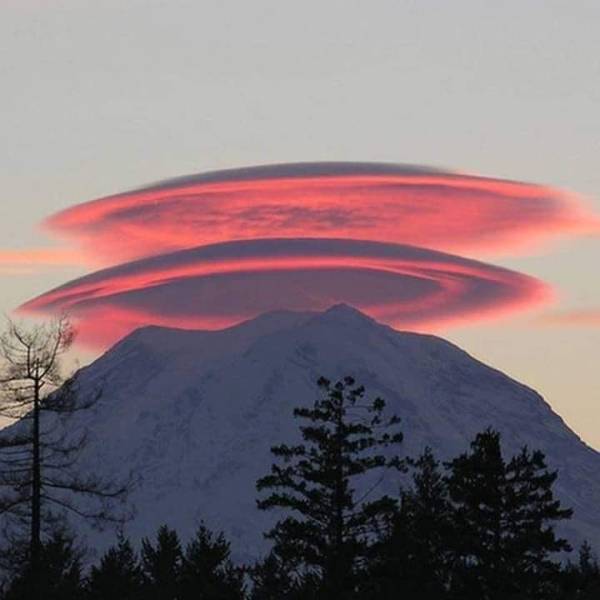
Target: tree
(58,575)
(581,581)
(38,454)
(589,574)
(118,575)
(272,580)
(504,515)
(207,571)
(161,565)
(331,526)
(414,559)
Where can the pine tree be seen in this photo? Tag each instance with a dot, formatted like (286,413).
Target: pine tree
(581,581)
(414,559)
(504,515)
(118,575)
(589,574)
(272,580)
(58,575)
(331,527)
(207,572)
(161,566)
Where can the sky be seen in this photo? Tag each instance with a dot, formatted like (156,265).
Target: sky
(107,96)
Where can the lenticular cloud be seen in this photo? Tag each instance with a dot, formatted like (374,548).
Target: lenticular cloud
(213,286)
(380,202)
(210,250)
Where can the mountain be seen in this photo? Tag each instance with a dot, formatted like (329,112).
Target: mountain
(193,414)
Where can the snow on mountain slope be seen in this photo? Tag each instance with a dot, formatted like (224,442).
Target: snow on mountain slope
(193,414)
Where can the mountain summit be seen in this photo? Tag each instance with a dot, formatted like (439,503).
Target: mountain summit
(193,414)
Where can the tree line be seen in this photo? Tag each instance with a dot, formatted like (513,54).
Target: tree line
(480,526)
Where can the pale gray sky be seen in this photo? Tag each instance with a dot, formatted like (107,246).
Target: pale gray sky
(104,95)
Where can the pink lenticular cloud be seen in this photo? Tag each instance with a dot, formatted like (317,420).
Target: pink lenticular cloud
(213,249)
(218,285)
(381,202)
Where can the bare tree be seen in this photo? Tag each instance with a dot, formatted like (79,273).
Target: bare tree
(39,479)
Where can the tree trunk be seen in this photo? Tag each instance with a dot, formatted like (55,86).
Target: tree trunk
(36,491)
(338,575)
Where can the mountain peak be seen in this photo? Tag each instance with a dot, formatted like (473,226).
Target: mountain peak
(345,313)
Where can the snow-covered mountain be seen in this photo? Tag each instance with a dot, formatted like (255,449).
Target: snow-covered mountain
(194,414)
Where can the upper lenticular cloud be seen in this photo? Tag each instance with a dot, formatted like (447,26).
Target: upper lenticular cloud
(219,285)
(382,202)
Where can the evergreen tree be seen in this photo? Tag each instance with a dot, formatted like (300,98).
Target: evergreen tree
(272,579)
(331,527)
(118,575)
(589,574)
(504,515)
(414,559)
(207,572)
(161,566)
(58,574)
(582,580)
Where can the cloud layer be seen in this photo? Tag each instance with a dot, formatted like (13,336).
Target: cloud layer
(209,250)
(380,202)
(214,286)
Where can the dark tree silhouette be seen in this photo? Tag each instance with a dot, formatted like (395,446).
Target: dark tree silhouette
(331,526)
(207,571)
(59,574)
(504,515)
(581,581)
(38,454)
(161,565)
(272,580)
(414,560)
(118,575)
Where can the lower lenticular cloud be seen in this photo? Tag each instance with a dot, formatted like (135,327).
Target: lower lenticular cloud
(219,285)
(382,202)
